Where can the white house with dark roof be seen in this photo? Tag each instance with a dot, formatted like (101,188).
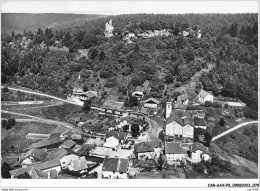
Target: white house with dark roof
(199,152)
(113,139)
(151,103)
(115,168)
(204,96)
(33,156)
(147,150)
(174,152)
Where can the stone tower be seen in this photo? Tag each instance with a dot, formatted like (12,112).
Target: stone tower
(168,109)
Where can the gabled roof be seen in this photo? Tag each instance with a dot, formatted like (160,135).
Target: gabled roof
(59,153)
(199,122)
(204,94)
(188,120)
(151,99)
(174,117)
(47,164)
(194,107)
(10,160)
(174,148)
(115,164)
(198,146)
(53,140)
(118,135)
(183,97)
(68,144)
(80,164)
(19,171)
(85,149)
(35,153)
(146,146)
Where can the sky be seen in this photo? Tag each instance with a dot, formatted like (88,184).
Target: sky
(107,7)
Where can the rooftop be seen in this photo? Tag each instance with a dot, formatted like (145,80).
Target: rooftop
(146,146)
(59,153)
(118,135)
(198,146)
(115,164)
(174,148)
(36,153)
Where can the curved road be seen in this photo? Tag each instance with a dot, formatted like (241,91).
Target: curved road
(232,129)
(153,131)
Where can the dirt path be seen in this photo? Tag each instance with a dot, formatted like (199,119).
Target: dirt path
(48,121)
(232,129)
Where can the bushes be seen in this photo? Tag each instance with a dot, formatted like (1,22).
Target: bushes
(222,122)
(5,89)
(216,105)
(208,103)
(7,124)
(250,113)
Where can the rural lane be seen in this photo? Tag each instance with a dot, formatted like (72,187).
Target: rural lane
(153,130)
(232,129)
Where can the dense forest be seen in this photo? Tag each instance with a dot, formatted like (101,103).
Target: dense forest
(30,21)
(229,43)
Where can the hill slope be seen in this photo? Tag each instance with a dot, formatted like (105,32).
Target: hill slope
(30,21)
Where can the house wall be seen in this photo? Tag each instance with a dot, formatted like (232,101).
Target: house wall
(206,157)
(173,129)
(202,127)
(111,143)
(150,105)
(109,174)
(168,109)
(209,98)
(196,155)
(141,156)
(57,168)
(174,157)
(188,131)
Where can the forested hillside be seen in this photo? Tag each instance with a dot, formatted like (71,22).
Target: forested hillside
(30,21)
(228,43)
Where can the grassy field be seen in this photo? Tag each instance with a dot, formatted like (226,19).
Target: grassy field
(242,142)
(16,136)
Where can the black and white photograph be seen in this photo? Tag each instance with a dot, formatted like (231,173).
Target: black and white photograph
(163,91)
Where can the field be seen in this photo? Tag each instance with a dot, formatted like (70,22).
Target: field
(242,142)
(16,136)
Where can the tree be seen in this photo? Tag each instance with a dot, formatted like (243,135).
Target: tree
(4,123)
(85,88)
(86,107)
(125,127)
(102,55)
(3,78)
(222,122)
(208,103)
(135,130)
(11,122)
(5,170)
(161,136)
(136,48)
(5,89)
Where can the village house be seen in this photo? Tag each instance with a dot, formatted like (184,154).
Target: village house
(115,168)
(147,150)
(233,105)
(199,152)
(51,166)
(195,111)
(188,128)
(113,139)
(138,94)
(174,125)
(183,99)
(151,103)
(129,37)
(59,153)
(68,144)
(200,123)
(33,156)
(80,165)
(66,160)
(52,142)
(174,153)
(204,96)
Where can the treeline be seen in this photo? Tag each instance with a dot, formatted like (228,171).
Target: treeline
(228,44)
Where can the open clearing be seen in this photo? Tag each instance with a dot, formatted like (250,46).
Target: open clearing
(16,136)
